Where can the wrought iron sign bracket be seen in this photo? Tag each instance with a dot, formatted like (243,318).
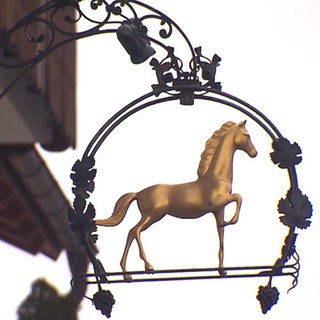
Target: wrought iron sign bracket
(56,17)
(175,82)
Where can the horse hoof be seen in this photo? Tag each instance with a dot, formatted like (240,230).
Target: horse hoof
(127,277)
(222,272)
(149,268)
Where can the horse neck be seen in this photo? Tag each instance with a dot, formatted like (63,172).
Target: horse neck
(221,164)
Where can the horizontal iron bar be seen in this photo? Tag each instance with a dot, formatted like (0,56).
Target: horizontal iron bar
(197,270)
(265,271)
(207,277)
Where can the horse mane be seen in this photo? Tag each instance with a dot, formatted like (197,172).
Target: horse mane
(211,146)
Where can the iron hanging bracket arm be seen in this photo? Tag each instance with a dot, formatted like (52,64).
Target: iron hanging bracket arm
(138,27)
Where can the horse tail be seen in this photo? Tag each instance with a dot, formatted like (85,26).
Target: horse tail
(119,211)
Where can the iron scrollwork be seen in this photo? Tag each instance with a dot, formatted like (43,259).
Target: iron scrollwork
(129,20)
(120,17)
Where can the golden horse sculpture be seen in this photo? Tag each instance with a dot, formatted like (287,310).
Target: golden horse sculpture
(211,192)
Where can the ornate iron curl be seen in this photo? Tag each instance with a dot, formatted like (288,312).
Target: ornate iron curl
(57,16)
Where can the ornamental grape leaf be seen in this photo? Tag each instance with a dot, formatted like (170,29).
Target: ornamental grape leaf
(296,209)
(81,219)
(285,154)
(289,246)
(287,251)
(83,176)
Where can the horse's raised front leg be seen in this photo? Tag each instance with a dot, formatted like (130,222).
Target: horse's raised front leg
(219,215)
(237,198)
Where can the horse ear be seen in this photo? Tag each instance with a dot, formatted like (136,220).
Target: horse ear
(243,123)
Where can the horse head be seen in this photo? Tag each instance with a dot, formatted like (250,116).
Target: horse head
(243,141)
